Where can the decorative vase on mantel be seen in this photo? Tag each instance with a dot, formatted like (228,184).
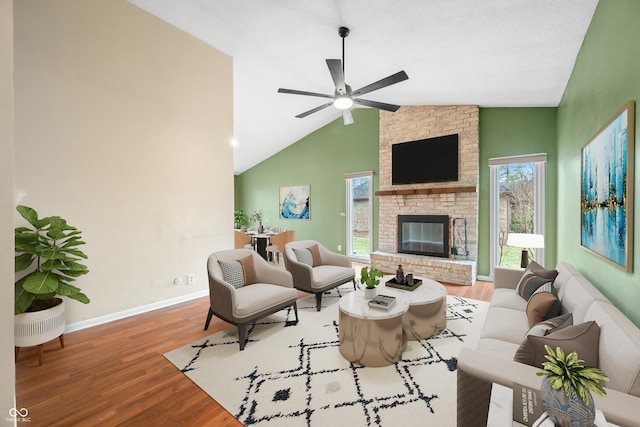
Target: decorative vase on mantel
(567,411)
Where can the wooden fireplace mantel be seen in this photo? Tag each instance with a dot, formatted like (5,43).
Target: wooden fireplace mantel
(413,191)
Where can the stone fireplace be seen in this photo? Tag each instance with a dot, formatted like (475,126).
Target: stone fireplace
(457,200)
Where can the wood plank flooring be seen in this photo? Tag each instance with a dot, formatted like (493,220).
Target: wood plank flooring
(115,374)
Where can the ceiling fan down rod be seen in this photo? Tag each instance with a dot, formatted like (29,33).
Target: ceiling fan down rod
(343,32)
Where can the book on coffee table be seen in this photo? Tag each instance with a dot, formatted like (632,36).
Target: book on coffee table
(382,302)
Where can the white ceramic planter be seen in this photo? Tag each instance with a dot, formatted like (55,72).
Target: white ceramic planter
(39,327)
(370,292)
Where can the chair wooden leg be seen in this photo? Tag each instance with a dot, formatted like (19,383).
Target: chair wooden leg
(209,316)
(318,301)
(242,335)
(295,310)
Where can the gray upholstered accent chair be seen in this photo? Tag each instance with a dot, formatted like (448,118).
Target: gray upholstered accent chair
(316,269)
(271,290)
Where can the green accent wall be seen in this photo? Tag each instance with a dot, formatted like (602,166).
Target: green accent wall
(320,159)
(512,132)
(606,75)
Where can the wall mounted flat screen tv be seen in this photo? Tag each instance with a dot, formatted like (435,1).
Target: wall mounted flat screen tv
(425,160)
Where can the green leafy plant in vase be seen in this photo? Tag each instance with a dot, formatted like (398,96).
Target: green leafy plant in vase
(258,217)
(370,278)
(566,388)
(240,219)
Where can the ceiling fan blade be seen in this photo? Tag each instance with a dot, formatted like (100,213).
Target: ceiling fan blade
(314,110)
(387,81)
(302,92)
(376,104)
(347,118)
(337,74)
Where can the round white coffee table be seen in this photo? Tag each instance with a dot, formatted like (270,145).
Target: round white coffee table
(427,314)
(370,336)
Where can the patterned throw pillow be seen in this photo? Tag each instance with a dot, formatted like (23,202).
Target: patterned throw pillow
(543,304)
(304,256)
(548,326)
(528,284)
(232,273)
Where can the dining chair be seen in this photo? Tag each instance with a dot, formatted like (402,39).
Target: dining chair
(277,242)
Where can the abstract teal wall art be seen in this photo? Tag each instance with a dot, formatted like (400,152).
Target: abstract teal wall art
(295,202)
(606,190)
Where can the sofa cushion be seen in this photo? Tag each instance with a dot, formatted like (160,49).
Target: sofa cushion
(577,295)
(619,347)
(507,298)
(529,283)
(248,270)
(232,273)
(543,304)
(548,326)
(505,324)
(304,255)
(261,297)
(583,339)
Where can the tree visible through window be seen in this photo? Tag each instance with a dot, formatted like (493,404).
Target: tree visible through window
(517,202)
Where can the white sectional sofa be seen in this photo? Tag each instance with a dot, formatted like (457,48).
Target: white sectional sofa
(506,328)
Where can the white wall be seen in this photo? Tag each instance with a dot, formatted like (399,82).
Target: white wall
(123,127)
(7,367)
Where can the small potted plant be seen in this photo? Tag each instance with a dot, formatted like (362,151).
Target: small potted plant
(240,219)
(370,278)
(565,388)
(258,217)
(47,261)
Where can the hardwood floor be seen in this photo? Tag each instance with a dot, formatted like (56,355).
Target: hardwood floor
(115,374)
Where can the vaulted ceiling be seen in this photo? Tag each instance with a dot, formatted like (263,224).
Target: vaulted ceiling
(491,53)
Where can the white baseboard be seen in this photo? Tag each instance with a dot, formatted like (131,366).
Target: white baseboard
(485,278)
(72,327)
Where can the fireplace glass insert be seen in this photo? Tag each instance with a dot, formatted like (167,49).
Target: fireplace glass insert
(424,235)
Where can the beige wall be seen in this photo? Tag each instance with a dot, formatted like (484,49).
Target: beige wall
(123,127)
(7,371)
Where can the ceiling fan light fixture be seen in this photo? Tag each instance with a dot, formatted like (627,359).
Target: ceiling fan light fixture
(343,103)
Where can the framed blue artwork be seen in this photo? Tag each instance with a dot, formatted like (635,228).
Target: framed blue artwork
(606,190)
(295,202)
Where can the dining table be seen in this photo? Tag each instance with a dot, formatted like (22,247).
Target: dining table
(260,241)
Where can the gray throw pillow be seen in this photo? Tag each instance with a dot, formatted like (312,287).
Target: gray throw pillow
(304,256)
(548,326)
(584,339)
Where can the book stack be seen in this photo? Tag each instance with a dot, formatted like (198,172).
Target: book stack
(382,302)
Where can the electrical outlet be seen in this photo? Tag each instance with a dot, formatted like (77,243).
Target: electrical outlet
(191,279)
(339,248)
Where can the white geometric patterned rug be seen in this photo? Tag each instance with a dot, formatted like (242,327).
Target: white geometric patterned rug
(294,375)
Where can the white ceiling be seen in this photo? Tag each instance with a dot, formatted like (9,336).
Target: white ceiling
(491,53)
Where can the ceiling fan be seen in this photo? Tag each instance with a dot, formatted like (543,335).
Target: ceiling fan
(343,97)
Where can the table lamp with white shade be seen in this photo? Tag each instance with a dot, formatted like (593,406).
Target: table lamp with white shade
(525,241)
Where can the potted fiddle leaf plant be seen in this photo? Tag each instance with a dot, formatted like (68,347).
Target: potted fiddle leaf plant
(47,262)
(566,388)
(370,278)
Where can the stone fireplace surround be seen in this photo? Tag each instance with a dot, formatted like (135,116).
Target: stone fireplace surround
(457,199)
